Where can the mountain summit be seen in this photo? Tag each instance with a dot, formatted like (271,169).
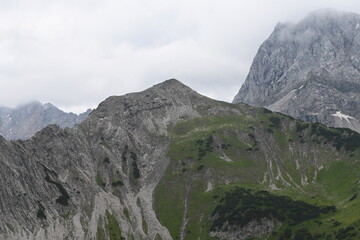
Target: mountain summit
(310,70)
(168,163)
(25,120)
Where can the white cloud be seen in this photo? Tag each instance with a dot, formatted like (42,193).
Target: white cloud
(76,53)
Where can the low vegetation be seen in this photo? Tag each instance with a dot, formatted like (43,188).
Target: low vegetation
(99,180)
(116,183)
(241,206)
(41,212)
(338,137)
(112,229)
(222,167)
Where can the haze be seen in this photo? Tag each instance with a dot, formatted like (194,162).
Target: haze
(75,54)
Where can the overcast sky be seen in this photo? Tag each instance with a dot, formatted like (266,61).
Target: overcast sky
(75,54)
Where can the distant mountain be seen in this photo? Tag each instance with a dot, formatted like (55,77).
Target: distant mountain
(310,70)
(24,121)
(168,163)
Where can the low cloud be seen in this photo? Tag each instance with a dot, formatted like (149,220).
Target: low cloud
(76,53)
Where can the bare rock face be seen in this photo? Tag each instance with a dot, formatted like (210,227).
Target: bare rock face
(24,121)
(310,70)
(75,182)
(254,229)
(97,179)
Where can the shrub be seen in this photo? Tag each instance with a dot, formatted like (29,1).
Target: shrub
(275,122)
(303,234)
(241,206)
(286,235)
(133,156)
(106,160)
(301,126)
(136,171)
(116,183)
(345,233)
(209,142)
(270,130)
(346,138)
(41,212)
(266,111)
(200,167)
(353,197)
(99,180)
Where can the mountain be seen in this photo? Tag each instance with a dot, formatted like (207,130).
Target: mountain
(309,70)
(24,121)
(169,163)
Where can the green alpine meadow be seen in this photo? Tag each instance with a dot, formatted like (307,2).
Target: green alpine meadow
(260,175)
(280,162)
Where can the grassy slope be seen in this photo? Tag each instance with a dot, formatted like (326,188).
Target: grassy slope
(111,229)
(200,146)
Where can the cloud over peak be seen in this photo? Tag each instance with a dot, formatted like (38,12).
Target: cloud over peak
(76,53)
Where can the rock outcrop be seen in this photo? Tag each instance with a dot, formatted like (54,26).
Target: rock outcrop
(254,229)
(74,182)
(310,70)
(167,163)
(24,121)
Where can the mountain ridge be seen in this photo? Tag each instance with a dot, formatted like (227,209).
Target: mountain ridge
(156,164)
(309,70)
(23,121)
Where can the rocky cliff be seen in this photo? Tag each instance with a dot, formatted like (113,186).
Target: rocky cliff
(24,121)
(310,70)
(169,163)
(72,183)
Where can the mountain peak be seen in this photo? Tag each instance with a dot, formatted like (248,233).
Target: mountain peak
(49,105)
(330,13)
(166,145)
(171,83)
(34,103)
(23,121)
(162,95)
(319,17)
(304,69)
(324,21)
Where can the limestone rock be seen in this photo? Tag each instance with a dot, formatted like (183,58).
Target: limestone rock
(24,121)
(69,183)
(310,70)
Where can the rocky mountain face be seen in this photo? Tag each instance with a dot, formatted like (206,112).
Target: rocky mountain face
(310,70)
(75,183)
(168,163)
(24,121)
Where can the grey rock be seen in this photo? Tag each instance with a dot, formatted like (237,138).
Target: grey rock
(60,183)
(24,121)
(310,70)
(260,229)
